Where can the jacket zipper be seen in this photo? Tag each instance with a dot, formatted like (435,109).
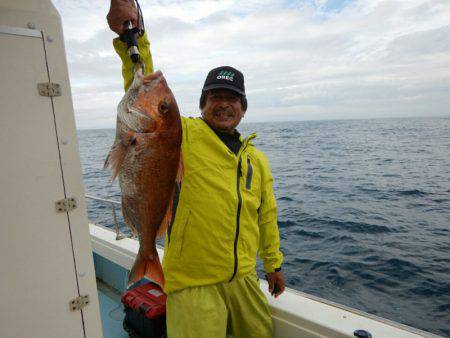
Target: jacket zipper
(248,183)
(238,215)
(239,174)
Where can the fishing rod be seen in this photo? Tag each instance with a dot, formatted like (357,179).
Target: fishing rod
(129,36)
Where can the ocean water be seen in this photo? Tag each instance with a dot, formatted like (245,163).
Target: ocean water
(363,210)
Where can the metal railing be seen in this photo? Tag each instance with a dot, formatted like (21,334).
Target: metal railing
(113,204)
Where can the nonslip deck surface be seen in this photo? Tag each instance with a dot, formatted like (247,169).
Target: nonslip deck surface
(111,310)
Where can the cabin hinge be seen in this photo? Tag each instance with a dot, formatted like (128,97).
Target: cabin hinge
(79,302)
(66,204)
(49,89)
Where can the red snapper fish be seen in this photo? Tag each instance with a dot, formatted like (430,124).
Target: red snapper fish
(146,156)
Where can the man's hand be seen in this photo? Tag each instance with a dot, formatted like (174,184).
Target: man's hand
(276,283)
(119,12)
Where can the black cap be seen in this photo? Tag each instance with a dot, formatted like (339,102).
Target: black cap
(225,77)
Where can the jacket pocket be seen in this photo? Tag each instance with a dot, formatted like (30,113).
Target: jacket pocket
(177,234)
(248,181)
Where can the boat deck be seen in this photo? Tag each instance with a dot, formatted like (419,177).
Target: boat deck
(111,311)
(295,314)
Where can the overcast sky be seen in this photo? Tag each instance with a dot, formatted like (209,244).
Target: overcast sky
(302,60)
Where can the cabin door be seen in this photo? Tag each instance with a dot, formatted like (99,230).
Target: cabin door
(39,274)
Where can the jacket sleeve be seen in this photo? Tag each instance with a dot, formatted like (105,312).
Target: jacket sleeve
(269,246)
(127,65)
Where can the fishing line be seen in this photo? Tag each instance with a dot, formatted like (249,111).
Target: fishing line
(140,18)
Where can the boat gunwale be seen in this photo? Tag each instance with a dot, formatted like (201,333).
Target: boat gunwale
(276,309)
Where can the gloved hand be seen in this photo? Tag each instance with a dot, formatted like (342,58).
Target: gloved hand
(119,12)
(276,283)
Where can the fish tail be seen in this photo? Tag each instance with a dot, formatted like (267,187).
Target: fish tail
(147,267)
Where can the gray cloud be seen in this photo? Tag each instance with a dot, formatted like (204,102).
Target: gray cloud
(433,41)
(370,58)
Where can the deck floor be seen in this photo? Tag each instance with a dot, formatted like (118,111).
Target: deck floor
(111,310)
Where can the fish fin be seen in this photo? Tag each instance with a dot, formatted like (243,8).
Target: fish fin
(180,172)
(117,154)
(169,212)
(167,217)
(114,159)
(147,267)
(129,219)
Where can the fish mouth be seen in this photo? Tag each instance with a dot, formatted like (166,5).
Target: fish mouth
(150,81)
(133,116)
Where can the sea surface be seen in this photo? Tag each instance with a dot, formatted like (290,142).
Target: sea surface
(363,210)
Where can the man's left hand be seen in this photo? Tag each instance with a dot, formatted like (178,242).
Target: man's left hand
(119,12)
(276,283)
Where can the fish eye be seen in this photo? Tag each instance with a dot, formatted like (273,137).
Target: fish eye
(163,107)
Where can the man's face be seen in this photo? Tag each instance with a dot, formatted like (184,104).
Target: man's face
(223,110)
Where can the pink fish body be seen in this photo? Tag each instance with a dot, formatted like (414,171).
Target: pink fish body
(146,156)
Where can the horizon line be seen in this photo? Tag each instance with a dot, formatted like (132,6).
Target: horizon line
(315,120)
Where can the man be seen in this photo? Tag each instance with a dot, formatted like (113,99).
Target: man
(225,214)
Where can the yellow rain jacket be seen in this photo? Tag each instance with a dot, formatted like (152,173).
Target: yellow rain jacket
(226,210)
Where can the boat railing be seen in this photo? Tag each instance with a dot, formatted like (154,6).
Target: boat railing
(113,205)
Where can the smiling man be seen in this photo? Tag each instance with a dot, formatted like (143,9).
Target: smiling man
(223,102)
(225,212)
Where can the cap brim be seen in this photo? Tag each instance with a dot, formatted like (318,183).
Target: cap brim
(223,86)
